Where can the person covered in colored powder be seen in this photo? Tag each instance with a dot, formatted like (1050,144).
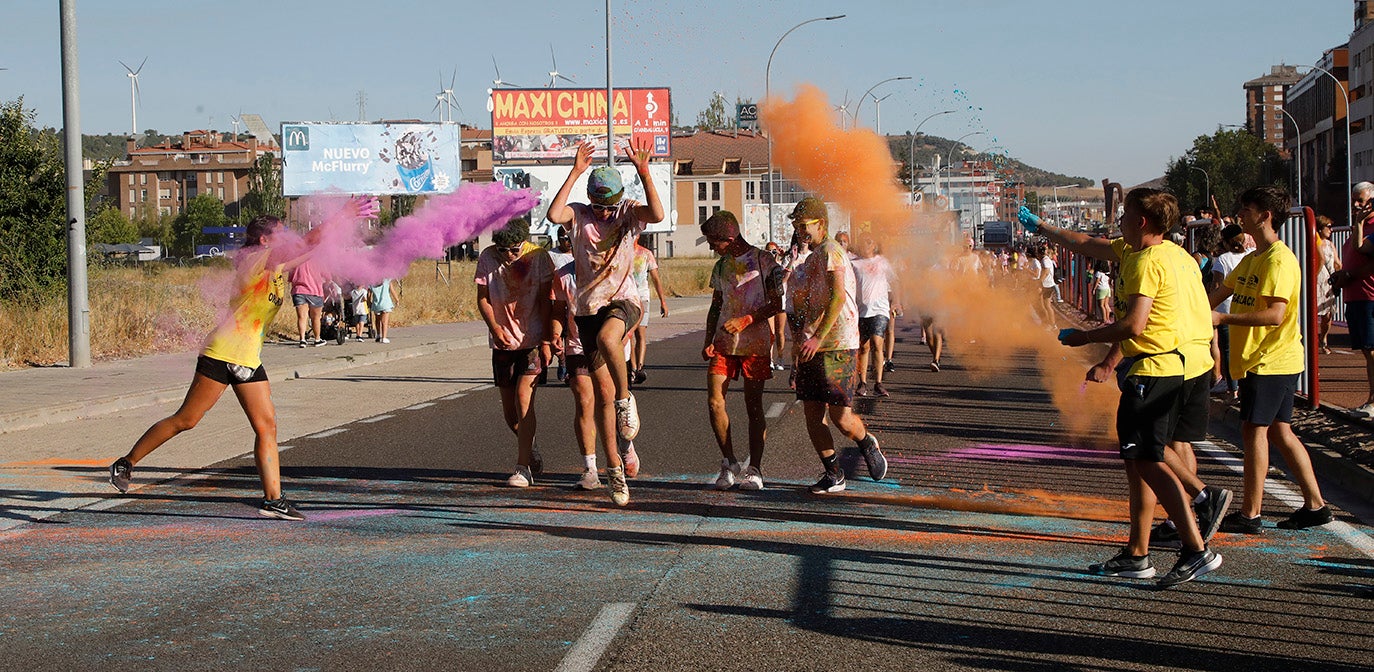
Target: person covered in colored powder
(1267,358)
(607,304)
(876,281)
(1160,331)
(746,285)
(825,337)
(232,356)
(645,274)
(514,282)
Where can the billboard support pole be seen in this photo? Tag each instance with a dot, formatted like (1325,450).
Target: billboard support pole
(610,94)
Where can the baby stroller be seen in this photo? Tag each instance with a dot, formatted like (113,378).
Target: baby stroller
(333,324)
(350,316)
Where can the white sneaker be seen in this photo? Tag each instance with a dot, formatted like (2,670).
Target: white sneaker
(728,471)
(620,490)
(589,480)
(629,459)
(627,418)
(386,340)
(1366,411)
(522,478)
(752,479)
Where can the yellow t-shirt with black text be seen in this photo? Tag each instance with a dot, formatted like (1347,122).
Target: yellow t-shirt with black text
(1148,272)
(1195,311)
(238,339)
(1269,351)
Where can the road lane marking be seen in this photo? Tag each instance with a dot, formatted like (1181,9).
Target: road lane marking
(479,388)
(377,418)
(776,410)
(455,395)
(326,433)
(416,407)
(1282,492)
(588,649)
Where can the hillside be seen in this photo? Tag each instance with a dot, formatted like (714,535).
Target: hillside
(928,145)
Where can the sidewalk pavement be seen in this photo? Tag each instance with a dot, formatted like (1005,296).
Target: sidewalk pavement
(44,396)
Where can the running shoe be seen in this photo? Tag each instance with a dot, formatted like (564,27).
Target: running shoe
(629,459)
(879,390)
(620,490)
(752,479)
(319,342)
(1210,511)
(1191,564)
(386,341)
(536,461)
(1304,518)
(777,366)
(849,460)
(589,480)
(728,471)
(935,366)
(1125,565)
(1236,523)
(627,418)
(873,457)
(121,473)
(889,367)
(522,478)
(280,508)
(302,343)
(1366,411)
(861,390)
(1165,536)
(829,483)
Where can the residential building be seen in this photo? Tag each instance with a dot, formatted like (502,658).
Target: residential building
(722,170)
(1361,49)
(1318,107)
(162,179)
(1270,89)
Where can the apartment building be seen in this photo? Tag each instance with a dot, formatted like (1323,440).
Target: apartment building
(165,177)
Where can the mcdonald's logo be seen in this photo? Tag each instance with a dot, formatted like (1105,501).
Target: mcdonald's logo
(296,138)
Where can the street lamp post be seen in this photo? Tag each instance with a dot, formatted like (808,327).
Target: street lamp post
(950,158)
(767,94)
(912,153)
(859,108)
(1208,197)
(1349,176)
(1297,160)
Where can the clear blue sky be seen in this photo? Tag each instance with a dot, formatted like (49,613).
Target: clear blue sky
(1084,87)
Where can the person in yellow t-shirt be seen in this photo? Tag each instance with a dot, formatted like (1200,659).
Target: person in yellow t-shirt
(1152,331)
(232,356)
(1267,358)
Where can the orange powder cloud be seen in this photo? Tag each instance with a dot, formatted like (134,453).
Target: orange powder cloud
(986,327)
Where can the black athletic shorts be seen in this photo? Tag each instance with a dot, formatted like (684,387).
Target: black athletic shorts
(589,326)
(1265,400)
(509,366)
(1193,403)
(1146,417)
(224,373)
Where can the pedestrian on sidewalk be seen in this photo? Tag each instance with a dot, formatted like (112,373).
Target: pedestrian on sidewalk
(514,283)
(876,283)
(1326,292)
(1161,345)
(645,274)
(746,296)
(825,338)
(307,295)
(607,304)
(1356,283)
(1267,358)
(779,353)
(383,302)
(232,356)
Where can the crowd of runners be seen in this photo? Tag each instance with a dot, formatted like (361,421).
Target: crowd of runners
(585,306)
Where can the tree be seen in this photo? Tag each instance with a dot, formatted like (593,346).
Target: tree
(264,195)
(109,225)
(715,117)
(201,212)
(1233,159)
(33,207)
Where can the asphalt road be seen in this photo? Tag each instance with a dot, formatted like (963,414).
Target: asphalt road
(417,557)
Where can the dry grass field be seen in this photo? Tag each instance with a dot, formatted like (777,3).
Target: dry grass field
(160,308)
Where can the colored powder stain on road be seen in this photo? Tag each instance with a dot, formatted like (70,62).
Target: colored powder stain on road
(58,462)
(870,538)
(1013,502)
(345,514)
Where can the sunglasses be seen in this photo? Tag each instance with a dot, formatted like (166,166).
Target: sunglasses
(511,250)
(604,208)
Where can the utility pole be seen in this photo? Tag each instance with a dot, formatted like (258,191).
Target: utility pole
(78,305)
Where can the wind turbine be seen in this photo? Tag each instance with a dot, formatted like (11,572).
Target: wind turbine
(496,83)
(134,94)
(843,109)
(554,74)
(445,97)
(878,115)
(236,121)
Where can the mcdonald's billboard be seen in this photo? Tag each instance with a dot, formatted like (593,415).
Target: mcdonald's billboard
(530,124)
(369,158)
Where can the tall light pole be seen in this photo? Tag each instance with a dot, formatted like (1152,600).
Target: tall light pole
(610,94)
(1349,176)
(859,108)
(1207,177)
(767,94)
(78,306)
(912,152)
(1297,160)
(950,158)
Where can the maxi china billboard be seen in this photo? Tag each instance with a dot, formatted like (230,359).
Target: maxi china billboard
(543,124)
(350,158)
(547,179)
